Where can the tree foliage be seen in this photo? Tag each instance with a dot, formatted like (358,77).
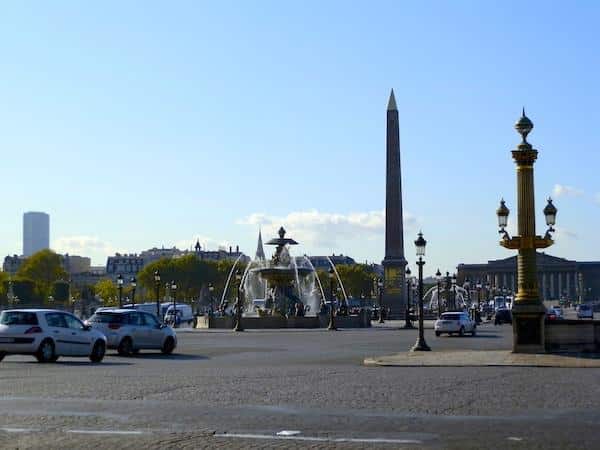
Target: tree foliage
(43,268)
(358,280)
(107,291)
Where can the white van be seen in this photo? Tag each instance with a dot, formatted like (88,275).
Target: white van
(184,314)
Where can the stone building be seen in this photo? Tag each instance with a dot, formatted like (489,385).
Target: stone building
(558,278)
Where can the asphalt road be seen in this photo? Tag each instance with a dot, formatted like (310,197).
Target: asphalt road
(223,389)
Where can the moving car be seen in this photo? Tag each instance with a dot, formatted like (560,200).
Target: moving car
(551,314)
(129,331)
(585,312)
(559,312)
(502,315)
(184,314)
(455,322)
(48,334)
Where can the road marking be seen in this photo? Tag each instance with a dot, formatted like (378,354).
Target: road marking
(318,439)
(288,433)
(513,438)
(19,430)
(104,432)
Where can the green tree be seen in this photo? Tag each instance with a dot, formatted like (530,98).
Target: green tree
(358,279)
(107,291)
(60,291)
(44,268)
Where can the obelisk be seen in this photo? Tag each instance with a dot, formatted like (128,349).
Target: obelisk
(394,262)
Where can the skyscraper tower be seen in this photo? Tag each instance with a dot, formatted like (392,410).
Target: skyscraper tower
(394,261)
(36,232)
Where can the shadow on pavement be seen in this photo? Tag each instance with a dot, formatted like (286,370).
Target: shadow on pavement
(171,357)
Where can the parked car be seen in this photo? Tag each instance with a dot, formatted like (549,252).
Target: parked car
(182,314)
(129,331)
(502,315)
(455,322)
(48,334)
(551,314)
(584,311)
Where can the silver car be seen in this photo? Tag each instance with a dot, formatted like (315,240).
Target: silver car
(129,331)
(48,334)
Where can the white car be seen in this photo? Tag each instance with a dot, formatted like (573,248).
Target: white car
(184,315)
(455,322)
(48,334)
(130,331)
(585,311)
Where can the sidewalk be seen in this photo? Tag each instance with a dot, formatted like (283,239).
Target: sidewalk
(483,358)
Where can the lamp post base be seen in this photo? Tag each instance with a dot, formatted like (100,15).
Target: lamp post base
(420,346)
(408,326)
(528,328)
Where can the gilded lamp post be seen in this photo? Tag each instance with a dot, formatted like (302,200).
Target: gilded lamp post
(528,310)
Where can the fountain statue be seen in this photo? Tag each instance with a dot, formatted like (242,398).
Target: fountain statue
(284,286)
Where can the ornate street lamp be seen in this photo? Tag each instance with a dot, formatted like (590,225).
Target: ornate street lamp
(380,293)
(420,345)
(528,310)
(157,292)
(331,326)
(407,321)
(133,286)
(120,287)
(173,289)
(238,303)
(438,279)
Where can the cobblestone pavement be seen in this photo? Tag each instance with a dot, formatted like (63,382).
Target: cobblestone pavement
(227,390)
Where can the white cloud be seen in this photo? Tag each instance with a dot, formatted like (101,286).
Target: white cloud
(90,246)
(323,229)
(567,191)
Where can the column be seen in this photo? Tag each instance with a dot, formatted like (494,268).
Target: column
(544,286)
(560,286)
(504,280)
(551,275)
(568,275)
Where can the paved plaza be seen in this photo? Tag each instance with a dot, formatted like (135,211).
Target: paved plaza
(223,389)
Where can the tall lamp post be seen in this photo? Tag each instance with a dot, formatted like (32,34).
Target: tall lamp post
(407,321)
(454,292)
(380,293)
(133,286)
(157,292)
(478,311)
(331,326)
(238,303)
(528,311)
(211,290)
(420,345)
(438,279)
(174,295)
(120,287)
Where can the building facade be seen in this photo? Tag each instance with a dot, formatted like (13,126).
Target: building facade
(558,278)
(322,262)
(36,232)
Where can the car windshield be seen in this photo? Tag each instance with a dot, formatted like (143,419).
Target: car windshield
(18,318)
(107,317)
(582,307)
(451,316)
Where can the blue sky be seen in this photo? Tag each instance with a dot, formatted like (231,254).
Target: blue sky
(135,124)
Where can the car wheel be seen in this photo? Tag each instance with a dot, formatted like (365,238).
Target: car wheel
(437,333)
(168,346)
(45,352)
(54,358)
(135,351)
(461,332)
(474,332)
(98,352)
(125,347)
(2,355)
